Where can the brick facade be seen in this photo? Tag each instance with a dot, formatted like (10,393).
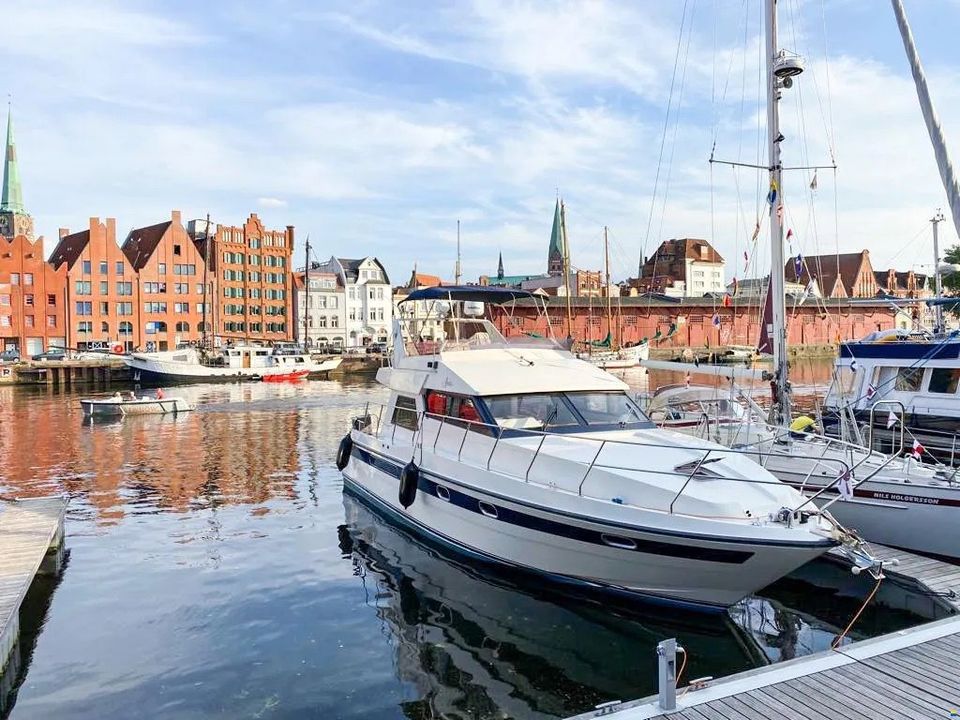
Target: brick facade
(32,298)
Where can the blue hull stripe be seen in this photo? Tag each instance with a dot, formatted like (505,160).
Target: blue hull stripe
(552,527)
(556,579)
(901,350)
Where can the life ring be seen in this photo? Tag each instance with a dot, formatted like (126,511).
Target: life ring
(344,452)
(409,477)
(116,349)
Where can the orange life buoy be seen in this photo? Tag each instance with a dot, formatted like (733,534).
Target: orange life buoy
(117,349)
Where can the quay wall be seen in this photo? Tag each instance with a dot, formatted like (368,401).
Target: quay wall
(689,322)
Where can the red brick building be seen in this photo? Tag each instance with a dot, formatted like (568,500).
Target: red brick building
(252,280)
(32,298)
(170,276)
(688,267)
(844,275)
(101,287)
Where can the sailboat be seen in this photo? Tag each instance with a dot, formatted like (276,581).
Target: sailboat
(892,500)
(898,382)
(607,353)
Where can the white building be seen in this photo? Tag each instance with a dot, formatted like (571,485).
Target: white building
(367,300)
(320,310)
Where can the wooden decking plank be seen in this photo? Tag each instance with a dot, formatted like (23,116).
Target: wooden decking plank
(882,683)
(741,710)
(753,701)
(818,684)
(788,697)
(711,713)
(933,661)
(919,668)
(923,677)
(813,698)
(865,690)
(923,685)
(783,710)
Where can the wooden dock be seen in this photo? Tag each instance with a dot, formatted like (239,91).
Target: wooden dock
(913,673)
(31,542)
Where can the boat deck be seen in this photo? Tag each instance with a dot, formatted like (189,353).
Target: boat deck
(913,673)
(30,532)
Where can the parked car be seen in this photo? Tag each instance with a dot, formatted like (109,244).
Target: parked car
(376,348)
(50,355)
(11,355)
(354,351)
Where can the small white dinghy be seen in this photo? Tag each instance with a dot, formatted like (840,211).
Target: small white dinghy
(118,406)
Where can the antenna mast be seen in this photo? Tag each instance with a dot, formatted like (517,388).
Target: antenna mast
(456,273)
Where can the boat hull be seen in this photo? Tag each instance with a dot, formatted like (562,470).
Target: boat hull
(153,372)
(151,406)
(702,572)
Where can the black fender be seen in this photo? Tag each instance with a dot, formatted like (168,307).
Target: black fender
(344,452)
(409,478)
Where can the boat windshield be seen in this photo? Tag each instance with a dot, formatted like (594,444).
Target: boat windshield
(542,411)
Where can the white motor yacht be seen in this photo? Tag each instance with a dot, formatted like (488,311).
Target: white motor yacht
(516,452)
(894,500)
(229,363)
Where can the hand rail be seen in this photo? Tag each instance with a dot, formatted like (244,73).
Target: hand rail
(689,477)
(526,476)
(902,422)
(592,463)
(494,448)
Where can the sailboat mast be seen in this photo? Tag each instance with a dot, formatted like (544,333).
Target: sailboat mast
(566,266)
(606,265)
(778,333)
(938,310)
(306,290)
(457,272)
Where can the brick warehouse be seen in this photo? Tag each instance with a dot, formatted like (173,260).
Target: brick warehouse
(688,322)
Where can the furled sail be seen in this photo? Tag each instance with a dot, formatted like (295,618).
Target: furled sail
(947,174)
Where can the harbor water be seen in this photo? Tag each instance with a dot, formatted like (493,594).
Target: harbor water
(216,569)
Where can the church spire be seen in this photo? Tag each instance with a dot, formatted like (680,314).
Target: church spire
(500,268)
(11,200)
(555,253)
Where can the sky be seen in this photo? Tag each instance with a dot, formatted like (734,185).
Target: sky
(373,126)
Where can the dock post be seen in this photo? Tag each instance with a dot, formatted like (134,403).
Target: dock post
(667,674)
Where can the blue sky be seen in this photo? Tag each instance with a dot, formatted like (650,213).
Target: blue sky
(374,126)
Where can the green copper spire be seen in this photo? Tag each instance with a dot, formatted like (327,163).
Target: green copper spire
(555,253)
(12,198)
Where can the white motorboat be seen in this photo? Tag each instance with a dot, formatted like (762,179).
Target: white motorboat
(118,406)
(233,362)
(893,500)
(517,453)
(625,357)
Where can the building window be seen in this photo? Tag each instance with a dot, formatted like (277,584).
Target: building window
(176,249)
(28,321)
(124,308)
(105,328)
(119,267)
(82,287)
(183,288)
(14,278)
(161,268)
(28,299)
(84,308)
(322,321)
(155,307)
(181,307)
(104,287)
(5,300)
(103,267)
(86,267)
(85,326)
(126,328)
(104,308)
(199,288)
(124,288)
(52,300)
(334,322)
(183,327)
(380,293)
(353,295)
(28,278)
(51,321)
(4,321)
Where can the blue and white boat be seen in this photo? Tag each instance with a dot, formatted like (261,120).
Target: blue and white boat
(915,376)
(517,453)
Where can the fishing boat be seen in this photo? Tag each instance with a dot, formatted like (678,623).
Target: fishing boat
(233,362)
(894,500)
(119,406)
(515,452)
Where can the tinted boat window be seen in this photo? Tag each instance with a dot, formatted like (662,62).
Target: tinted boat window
(530,412)
(606,408)
(944,380)
(405,413)
(909,379)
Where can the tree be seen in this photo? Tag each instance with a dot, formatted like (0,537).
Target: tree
(950,283)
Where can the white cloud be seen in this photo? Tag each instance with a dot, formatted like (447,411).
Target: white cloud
(271,202)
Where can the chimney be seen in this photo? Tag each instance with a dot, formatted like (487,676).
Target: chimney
(112,229)
(64,232)
(175,217)
(290,237)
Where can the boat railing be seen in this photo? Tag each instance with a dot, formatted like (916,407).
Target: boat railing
(900,422)
(688,471)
